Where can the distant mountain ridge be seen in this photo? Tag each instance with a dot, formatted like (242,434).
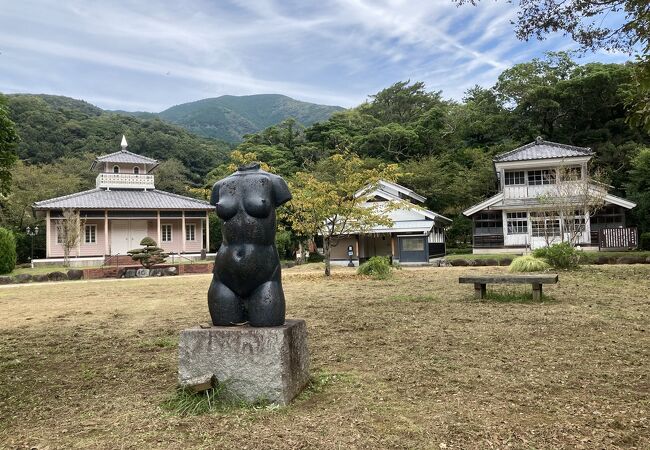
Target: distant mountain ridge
(230,117)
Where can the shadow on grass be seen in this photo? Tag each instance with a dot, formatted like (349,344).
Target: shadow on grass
(320,381)
(515,296)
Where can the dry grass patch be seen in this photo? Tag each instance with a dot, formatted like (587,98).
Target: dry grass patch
(409,362)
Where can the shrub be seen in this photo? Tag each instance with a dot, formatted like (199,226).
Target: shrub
(315,257)
(7,251)
(644,241)
(560,256)
(149,255)
(284,244)
(378,267)
(528,263)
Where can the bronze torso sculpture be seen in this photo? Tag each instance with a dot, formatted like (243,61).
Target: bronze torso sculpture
(246,284)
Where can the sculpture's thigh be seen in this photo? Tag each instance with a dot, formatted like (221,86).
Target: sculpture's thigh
(225,306)
(266,305)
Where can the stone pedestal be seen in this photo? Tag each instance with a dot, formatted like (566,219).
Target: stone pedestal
(255,363)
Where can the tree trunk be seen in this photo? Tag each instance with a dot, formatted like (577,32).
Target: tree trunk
(327,250)
(300,254)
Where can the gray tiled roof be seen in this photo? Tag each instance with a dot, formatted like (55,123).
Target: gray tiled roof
(540,149)
(125,156)
(124,199)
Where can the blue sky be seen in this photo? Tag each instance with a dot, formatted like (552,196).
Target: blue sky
(150,55)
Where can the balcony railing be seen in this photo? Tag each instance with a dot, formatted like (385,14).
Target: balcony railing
(124,181)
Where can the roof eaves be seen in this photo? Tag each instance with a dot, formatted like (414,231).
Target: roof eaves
(484,204)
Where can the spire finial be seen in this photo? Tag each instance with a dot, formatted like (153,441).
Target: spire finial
(124,144)
(539,140)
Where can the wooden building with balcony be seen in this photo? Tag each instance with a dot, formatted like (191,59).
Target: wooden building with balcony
(523,215)
(123,208)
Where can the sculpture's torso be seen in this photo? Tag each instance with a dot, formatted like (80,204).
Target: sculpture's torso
(247,258)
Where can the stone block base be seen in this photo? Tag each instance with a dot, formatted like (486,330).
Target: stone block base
(255,363)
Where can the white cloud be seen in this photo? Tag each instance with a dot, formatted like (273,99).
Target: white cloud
(162,52)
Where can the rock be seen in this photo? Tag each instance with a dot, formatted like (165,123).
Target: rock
(255,363)
(435,263)
(171,271)
(40,278)
(156,272)
(505,261)
(75,274)
(631,260)
(142,273)
(57,276)
(6,279)
(444,263)
(478,262)
(491,262)
(120,273)
(23,278)
(129,273)
(458,262)
(647,260)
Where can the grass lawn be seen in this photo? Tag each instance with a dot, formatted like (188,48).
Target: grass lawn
(410,362)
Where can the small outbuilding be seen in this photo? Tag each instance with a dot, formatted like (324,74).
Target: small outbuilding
(415,236)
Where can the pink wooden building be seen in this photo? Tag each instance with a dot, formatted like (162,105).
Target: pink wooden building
(125,207)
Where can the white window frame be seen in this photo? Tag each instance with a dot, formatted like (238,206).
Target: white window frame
(188,227)
(93,233)
(517,222)
(541,177)
(116,167)
(162,232)
(136,168)
(513,176)
(542,225)
(59,238)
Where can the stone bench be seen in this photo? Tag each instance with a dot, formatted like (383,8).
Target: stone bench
(480,282)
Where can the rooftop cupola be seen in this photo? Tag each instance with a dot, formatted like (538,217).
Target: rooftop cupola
(124,170)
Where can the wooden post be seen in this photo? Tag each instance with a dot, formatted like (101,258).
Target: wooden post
(183,235)
(158,231)
(479,290)
(48,232)
(537,291)
(207,232)
(82,234)
(106,232)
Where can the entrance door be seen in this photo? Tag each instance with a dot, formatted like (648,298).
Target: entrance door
(138,231)
(413,249)
(119,237)
(126,235)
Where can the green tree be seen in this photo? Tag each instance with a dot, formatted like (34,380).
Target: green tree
(7,251)
(8,141)
(172,176)
(324,201)
(638,189)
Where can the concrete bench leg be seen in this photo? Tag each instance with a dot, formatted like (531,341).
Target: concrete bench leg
(537,291)
(479,290)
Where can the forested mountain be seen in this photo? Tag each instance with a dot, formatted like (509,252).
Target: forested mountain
(53,127)
(231,117)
